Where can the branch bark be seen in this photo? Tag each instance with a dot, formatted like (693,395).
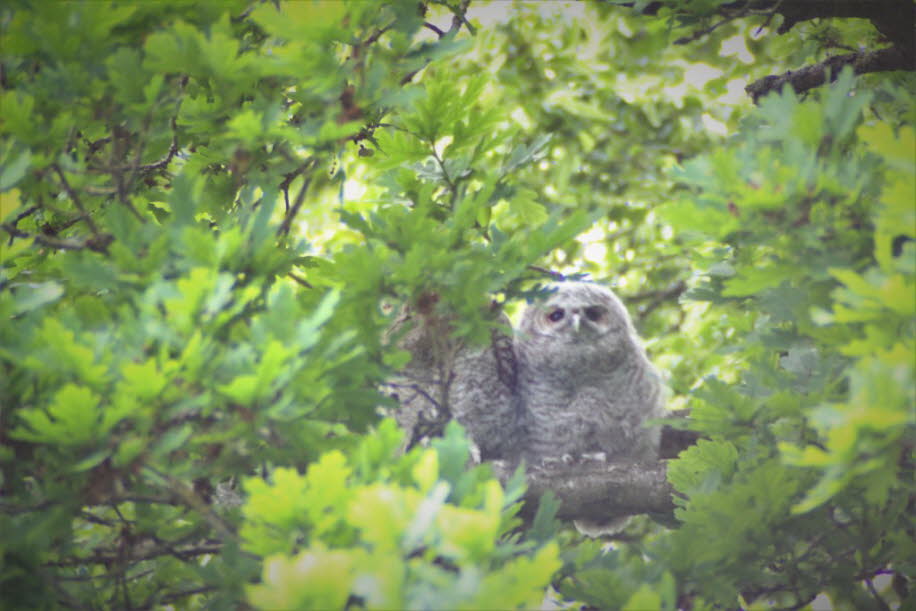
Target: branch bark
(894,19)
(809,77)
(597,491)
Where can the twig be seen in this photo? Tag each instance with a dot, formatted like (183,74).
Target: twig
(459,18)
(439,32)
(882,604)
(657,298)
(773,12)
(190,497)
(98,242)
(153,601)
(147,554)
(300,281)
(173,150)
(547,272)
(25,213)
(76,200)
(291,213)
(288,180)
(16,220)
(706,31)
(378,34)
(452,184)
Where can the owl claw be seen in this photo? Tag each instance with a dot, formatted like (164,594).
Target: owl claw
(595,456)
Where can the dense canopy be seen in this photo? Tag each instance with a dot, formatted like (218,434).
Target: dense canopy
(211,211)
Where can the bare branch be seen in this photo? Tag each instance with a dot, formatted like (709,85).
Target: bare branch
(657,298)
(439,32)
(142,553)
(75,199)
(288,180)
(173,150)
(291,212)
(300,281)
(11,227)
(744,11)
(98,242)
(547,272)
(187,494)
(157,599)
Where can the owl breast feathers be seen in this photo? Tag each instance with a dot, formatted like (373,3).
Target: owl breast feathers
(574,380)
(585,381)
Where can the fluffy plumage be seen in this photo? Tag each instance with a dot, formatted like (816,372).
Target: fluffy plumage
(574,381)
(448,377)
(584,378)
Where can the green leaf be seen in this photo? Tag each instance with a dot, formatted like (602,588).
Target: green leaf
(14,170)
(454,452)
(70,420)
(314,579)
(32,296)
(644,599)
(307,330)
(545,524)
(702,467)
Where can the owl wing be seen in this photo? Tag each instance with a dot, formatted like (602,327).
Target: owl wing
(503,348)
(448,378)
(420,387)
(484,396)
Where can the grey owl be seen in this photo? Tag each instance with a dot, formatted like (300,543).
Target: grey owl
(584,377)
(450,378)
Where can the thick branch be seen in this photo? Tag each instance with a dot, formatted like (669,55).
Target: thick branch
(597,491)
(893,18)
(809,77)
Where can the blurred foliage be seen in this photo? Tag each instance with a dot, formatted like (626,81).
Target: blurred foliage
(208,209)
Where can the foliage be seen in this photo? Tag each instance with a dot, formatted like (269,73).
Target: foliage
(413,535)
(804,208)
(209,209)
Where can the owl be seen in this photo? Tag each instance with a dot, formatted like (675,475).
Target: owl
(586,384)
(450,378)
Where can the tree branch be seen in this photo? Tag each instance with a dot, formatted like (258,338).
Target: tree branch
(893,18)
(598,491)
(292,211)
(97,242)
(809,77)
(75,199)
(595,490)
(139,553)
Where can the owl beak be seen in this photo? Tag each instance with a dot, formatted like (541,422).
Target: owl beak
(576,320)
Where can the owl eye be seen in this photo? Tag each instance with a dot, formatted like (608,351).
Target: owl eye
(594,313)
(556,315)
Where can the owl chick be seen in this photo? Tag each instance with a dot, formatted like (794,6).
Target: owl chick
(584,378)
(449,378)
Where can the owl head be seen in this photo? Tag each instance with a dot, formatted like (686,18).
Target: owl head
(575,309)
(578,314)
